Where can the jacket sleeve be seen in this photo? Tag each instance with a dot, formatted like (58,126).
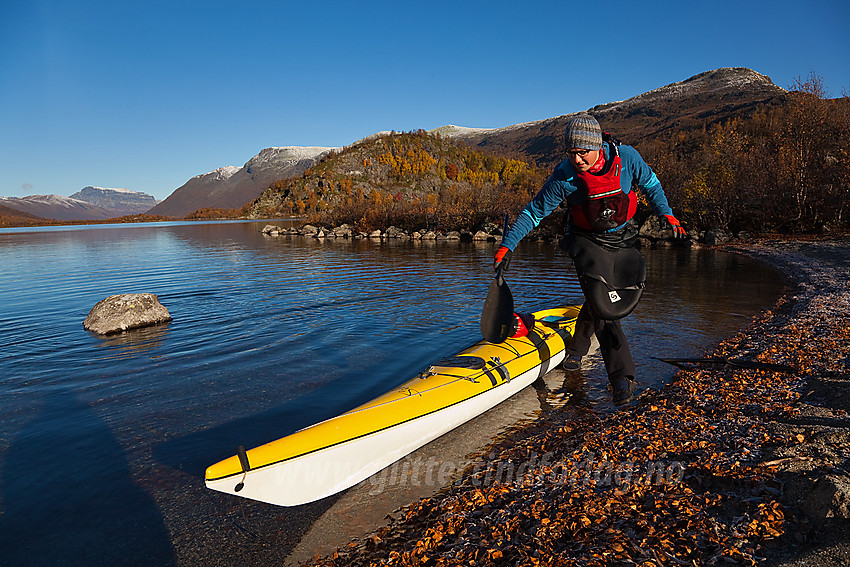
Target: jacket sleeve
(646,180)
(554,191)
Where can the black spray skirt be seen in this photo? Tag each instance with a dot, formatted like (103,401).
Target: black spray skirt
(611,271)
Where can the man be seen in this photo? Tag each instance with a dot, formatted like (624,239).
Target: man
(596,183)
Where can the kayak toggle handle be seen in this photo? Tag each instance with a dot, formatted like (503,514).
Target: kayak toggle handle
(427,373)
(246,466)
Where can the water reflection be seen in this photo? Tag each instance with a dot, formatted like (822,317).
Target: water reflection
(138,342)
(73,501)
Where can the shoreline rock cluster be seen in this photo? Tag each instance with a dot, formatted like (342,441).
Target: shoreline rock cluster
(488,234)
(652,234)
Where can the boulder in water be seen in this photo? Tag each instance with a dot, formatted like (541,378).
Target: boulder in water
(126,311)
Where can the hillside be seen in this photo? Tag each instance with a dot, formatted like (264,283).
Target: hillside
(232,187)
(699,102)
(14,217)
(414,178)
(56,207)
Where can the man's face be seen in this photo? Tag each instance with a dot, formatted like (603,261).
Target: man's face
(582,159)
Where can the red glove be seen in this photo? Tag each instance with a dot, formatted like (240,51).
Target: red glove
(502,259)
(678,231)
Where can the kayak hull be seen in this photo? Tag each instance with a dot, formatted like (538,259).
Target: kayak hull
(338,453)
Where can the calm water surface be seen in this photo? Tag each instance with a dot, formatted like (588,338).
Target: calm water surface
(103,441)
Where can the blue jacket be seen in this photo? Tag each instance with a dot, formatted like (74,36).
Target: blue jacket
(562,187)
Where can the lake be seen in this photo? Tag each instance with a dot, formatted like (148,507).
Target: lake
(104,440)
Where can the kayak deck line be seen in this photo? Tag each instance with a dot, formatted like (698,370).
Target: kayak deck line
(377,433)
(255,466)
(370,406)
(410,392)
(430,372)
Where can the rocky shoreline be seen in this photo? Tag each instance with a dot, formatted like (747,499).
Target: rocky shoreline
(724,465)
(488,234)
(651,233)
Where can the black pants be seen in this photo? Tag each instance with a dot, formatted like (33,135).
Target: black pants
(612,343)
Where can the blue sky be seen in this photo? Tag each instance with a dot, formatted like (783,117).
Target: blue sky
(147,94)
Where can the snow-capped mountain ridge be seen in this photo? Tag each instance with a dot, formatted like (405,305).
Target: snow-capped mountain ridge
(286,156)
(48,200)
(723,79)
(56,207)
(700,101)
(219,174)
(727,78)
(115,189)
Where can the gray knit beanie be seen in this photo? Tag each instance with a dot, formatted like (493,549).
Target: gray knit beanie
(583,132)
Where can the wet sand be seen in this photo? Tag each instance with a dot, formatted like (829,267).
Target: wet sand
(724,465)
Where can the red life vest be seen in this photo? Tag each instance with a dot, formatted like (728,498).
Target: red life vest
(606,206)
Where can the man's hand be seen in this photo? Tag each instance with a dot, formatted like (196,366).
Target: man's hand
(502,259)
(678,231)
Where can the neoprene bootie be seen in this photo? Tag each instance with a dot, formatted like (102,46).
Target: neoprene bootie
(571,363)
(622,390)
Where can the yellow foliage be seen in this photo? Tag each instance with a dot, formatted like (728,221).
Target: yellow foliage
(413,161)
(512,169)
(478,177)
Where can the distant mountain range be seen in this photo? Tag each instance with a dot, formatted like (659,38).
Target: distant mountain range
(698,102)
(90,203)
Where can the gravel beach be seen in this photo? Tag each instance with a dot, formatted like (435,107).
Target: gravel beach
(725,465)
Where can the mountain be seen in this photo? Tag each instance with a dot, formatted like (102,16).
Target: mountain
(233,187)
(698,102)
(56,207)
(118,202)
(14,217)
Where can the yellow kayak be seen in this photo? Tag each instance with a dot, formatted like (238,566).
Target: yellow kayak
(335,454)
